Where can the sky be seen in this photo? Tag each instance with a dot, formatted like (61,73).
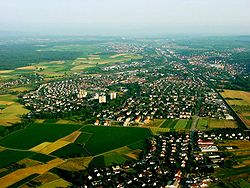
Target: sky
(125,17)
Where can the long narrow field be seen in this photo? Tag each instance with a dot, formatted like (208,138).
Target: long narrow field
(37,134)
(240,102)
(209,123)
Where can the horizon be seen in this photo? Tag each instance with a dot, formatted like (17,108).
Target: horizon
(126,18)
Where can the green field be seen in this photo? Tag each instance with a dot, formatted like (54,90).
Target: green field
(8,157)
(202,124)
(83,138)
(70,151)
(36,134)
(108,138)
(181,124)
(42,158)
(167,123)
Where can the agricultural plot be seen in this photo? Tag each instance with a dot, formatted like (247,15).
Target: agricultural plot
(236,97)
(76,164)
(20,174)
(11,111)
(8,157)
(37,134)
(83,138)
(109,138)
(202,124)
(24,181)
(70,151)
(42,158)
(215,123)
(181,124)
(240,102)
(154,123)
(95,60)
(167,123)
(208,123)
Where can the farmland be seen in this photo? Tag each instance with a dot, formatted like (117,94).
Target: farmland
(37,134)
(108,138)
(12,111)
(8,157)
(208,123)
(240,102)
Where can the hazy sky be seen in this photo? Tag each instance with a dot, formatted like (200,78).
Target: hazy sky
(125,17)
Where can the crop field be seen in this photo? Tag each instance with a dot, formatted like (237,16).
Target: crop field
(208,123)
(76,164)
(236,97)
(83,138)
(70,151)
(37,134)
(154,123)
(12,110)
(214,123)
(202,124)
(24,181)
(8,157)
(109,138)
(42,158)
(240,102)
(158,130)
(23,173)
(181,124)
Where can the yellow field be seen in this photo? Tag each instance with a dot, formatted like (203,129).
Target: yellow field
(5,71)
(20,174)
(53,146)
(244,95)
(154,123)
(76,164)
(11,114)
(21,89)
(222,124)
(39,120)
(134,155)
(117,55)
(72,137)
(40,146)
(32,67)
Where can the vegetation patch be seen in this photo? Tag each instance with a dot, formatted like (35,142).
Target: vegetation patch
(70,151)
(8,157)
(36,134)
(42,158)
(108,138)
(24,181)
(76,164)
